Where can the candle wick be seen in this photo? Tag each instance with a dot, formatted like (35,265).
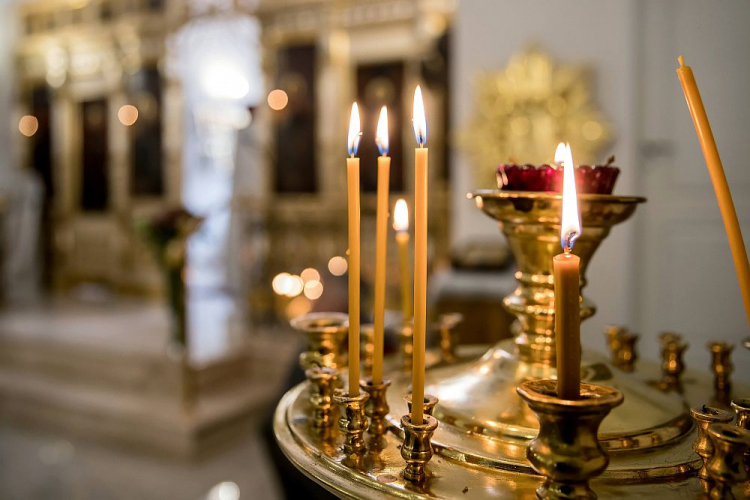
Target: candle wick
(682,61)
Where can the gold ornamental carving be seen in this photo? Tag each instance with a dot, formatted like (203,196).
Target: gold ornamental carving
(522,112)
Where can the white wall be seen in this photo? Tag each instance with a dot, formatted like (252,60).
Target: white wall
(8,118)
(662,270)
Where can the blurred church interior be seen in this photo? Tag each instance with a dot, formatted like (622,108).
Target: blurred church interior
(173,192)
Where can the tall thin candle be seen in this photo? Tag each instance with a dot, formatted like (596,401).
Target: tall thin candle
(420,258)
(352,177)
(566,269)
(401,226)
(719,180)
(381,246)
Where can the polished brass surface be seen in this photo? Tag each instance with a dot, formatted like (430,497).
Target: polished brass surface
(417,450)
(376,406)
(325,332)
(672,366)
(704,416)
(352,422)
(567,451)
(323,381)
(612,333)
(449,337)
(726,467)
(429,403)
(626,353)
(721,366)
(742,409)
(660,472)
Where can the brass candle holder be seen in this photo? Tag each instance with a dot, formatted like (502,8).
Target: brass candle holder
(352,421)
(612,333)
(705,416)
(626,353)
(367,348)
(417,448)
(325,332)
(428,403)
(567,451)
(721,366)
(323,382)
(672,365)
(376,407)
(726,466)
(449,336)
(742,408)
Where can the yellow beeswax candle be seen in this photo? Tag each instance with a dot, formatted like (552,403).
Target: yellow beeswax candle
(352,177)
(381,246)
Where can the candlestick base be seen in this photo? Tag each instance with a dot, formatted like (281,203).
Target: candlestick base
(417,447)
(323,381)
(376,407)
(325,332)
(567,451)
(705,416)
(726,468)
(352,422)
(429,403)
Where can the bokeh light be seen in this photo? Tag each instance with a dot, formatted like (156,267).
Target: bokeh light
(313,289)
(282,283)
(28,125)
(310,274)
(127,114)
(337,265)
(278,99)
(298,306)
(226,490)
(296,285)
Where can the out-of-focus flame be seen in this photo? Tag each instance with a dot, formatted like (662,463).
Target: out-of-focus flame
(381,137)
(419,122)
(401,216)
(354,131)
(570,228)
(560,154)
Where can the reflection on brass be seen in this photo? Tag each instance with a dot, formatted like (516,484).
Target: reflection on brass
(406,337)
(325,333)
(666,338)
(742,409)
(352,422)
(705,416)
(746,343)
(726,466)
(626,354)
(672,364)
(417,449)
(323,381)
(429,403)
(721,366)
(567,451)
(376,407)
(449,337)
(525,110)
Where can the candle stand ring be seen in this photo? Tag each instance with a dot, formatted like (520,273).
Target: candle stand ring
(417,448)
(353,421)
(742,409)
(429,403)
(325,333)
(376,406)
(567,451)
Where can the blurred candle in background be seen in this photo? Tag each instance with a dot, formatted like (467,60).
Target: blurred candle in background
(401,226)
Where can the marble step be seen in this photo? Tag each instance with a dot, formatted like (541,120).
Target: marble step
(149,422)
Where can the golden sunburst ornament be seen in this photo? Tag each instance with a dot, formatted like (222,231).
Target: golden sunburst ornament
(524,111)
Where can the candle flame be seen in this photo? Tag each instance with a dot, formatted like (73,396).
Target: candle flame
(354,131)
(570,228)
(560,154)
(419,122)
(401,216)
(381,137)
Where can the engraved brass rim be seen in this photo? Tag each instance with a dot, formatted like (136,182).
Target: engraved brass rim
(322,322)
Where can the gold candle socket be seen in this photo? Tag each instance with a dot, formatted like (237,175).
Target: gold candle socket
(613,332)
(567,451)
(626,353)
(721,366)
(672,365)
(352,422)
(325,333)
(449,336)
(705,416)
(323,382)
(742,409)
(429,403)
(417,448)
(376,407)
(725,466)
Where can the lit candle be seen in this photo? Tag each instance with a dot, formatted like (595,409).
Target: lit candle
(352,177)
(719,180)
(401,226)
(420,258)
(567,289)
(381,245)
